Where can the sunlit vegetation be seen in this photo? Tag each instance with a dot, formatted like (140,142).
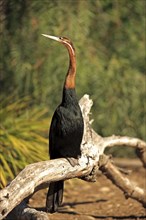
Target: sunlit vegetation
(24,133)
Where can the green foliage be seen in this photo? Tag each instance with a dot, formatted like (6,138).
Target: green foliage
(109,39)
(23,130)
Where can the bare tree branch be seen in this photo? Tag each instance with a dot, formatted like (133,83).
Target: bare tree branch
(122,182)
(39,175)
(36,176)
(139,145)
(23,212)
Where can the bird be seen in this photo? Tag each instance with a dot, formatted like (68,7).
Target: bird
(67,126)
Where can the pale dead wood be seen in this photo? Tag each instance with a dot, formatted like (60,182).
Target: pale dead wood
(39,175)
(129,188)
(23,212)
(34,177)
(124,141)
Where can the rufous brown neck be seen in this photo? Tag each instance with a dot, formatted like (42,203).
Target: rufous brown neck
(71,74)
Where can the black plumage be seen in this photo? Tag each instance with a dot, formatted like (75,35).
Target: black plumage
(66,128)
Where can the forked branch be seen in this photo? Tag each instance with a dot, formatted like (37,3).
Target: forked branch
(37,176)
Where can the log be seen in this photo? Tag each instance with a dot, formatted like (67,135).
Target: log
(38,175)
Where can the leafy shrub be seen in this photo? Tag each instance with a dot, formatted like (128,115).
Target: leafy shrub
(23,133)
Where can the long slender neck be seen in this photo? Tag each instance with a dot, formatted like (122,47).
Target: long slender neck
(70,77)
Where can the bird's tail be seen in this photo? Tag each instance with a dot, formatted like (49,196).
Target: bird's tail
(54,196)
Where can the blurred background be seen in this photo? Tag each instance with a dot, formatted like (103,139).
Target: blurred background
(109,37)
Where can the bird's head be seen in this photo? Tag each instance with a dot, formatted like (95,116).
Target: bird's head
(62,40)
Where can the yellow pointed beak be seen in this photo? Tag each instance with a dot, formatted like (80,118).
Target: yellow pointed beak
(52,37)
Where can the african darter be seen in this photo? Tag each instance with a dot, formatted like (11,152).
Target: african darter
(66,128)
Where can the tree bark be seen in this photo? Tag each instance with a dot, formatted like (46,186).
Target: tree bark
(122,182)
(38,175)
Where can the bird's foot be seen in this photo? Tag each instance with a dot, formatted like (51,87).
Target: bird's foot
(73,161)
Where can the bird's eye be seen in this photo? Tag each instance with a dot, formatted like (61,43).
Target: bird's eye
(60,38)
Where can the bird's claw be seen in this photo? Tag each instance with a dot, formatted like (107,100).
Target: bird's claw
(73,161)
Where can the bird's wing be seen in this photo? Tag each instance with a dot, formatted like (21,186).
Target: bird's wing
(52,137)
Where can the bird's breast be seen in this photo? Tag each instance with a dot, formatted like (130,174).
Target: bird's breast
(68,131)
